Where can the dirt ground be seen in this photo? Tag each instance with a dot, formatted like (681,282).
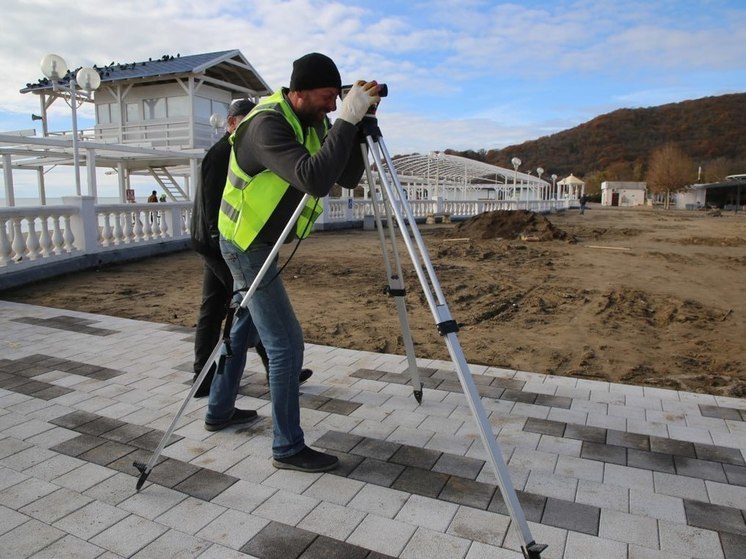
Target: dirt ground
(633,295)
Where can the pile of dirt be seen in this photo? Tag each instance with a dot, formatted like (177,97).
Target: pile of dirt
(510,224)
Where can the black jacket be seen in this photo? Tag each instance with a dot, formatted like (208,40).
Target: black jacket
(207,198)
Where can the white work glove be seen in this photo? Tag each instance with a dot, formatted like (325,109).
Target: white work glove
(357,102)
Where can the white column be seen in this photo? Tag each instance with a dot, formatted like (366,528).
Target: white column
(84,225)
(90,163)
(10,199)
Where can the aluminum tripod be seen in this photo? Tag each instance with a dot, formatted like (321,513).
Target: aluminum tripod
(395,202)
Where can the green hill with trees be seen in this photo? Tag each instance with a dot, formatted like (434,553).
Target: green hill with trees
(707,133)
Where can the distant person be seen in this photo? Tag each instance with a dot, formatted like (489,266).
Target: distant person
(153,197)
(583,202)
(163,198)
(217,281)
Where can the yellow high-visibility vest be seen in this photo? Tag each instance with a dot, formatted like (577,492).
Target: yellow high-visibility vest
(248,202)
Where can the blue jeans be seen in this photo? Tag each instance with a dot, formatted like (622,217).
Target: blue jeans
(272,316)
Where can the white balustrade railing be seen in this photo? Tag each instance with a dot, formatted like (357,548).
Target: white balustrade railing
(36,235)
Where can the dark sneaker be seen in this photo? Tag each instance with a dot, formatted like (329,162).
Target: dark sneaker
(307,460)
(238,417)
(304,375)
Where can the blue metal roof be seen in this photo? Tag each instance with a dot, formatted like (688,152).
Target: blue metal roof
(228,65)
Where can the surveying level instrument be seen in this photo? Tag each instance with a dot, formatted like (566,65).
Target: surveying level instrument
(396,208)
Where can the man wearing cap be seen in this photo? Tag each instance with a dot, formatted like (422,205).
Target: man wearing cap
(217,281)
(283,149)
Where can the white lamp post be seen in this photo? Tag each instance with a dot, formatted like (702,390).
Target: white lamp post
(540,171)
(54,67)
(554,191)
(516,163)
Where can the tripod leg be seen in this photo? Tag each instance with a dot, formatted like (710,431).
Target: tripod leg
(396,280)
(146,468)
(447,328)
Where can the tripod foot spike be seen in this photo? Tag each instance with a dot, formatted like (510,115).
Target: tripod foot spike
(418,394)
(144,473)
(533,550)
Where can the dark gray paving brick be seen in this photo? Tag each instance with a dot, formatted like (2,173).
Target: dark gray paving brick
(736,475)
(126,433)
(347,463)
(107,453)
(650,461)
(328,548)
(628,440)
(395,378)
(74,419)
(670,446)
(377,472)
(78,445)
(334,440)
(340,407)
(733,545)
(719,454)
(369,374)
(421,482)
(494,392)
(720,413)
(531,503)
(170,472)
(553,401)
(585,433)
(572,516)
(206,484)
(279,541)
(12,381)
(461,466)
(151,440)
(508,383)
(702,469)
(545,426)
(31,387)
(450,386)
(518,396)
(311,401)
(374,448)
(604,453)
(426,372)
(467,492)
(99,426)
(52,392)
(424,458)
(714,517)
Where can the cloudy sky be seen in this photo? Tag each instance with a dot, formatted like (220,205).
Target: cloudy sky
(462,74)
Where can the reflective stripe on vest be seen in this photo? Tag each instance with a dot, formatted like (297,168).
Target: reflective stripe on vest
(248,202)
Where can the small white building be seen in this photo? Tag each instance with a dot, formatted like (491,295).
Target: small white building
(623,193)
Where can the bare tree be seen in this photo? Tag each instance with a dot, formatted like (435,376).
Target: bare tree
(670,170)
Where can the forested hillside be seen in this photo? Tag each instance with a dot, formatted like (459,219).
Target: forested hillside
(618,145)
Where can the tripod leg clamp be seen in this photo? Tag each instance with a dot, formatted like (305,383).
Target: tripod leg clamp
(394,292)
(447,327)
(533,550)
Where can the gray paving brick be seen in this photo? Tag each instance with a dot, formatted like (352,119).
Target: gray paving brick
(420,482)
(467,492)
(205,484)
(52,507)
(173,544)
(279,541)
(28,538)
(415,457)
(604,453)
(689,541)
(650,461)
(733,545)
(670,446)
(374,448)
(628,440)
(377,472)
(702,469)
(90,520)
(127,537)
(334,440)
(70,546)
(714,517)
(461,466)
(368,535)
(571,516)
(78,445)
(719,454)
(629,528)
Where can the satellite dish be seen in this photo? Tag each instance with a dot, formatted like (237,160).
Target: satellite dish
(88,79)
(53,66)
(216,121)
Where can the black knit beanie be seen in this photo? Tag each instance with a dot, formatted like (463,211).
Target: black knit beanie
(240,107)
(314,71)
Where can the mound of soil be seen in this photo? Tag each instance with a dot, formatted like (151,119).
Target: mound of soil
(510,224)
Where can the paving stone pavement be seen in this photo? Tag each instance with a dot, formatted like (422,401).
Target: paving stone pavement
(601,470)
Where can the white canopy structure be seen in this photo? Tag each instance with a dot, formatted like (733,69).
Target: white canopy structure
(450,177)
(571,187)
